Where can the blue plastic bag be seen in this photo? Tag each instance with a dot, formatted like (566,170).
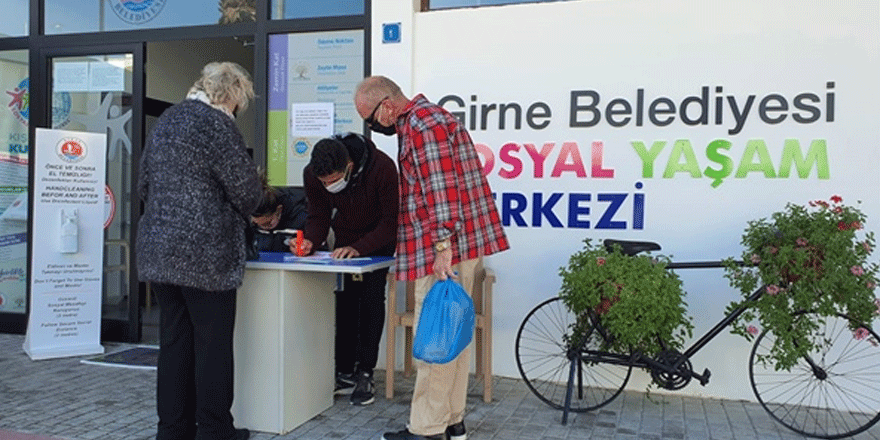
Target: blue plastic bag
(446,323)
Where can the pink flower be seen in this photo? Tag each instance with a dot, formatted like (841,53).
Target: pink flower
(877,305)
(774,250)
(837,210)
(755,258)
(836,198)
(866,246)
(861,333)
(857,270)
(752,330)
(772,289)
(871,285)
(600,261)
(842,226)
(856,225)
(801,241)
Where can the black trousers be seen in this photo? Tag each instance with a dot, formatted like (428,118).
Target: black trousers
(360,318)
(195,372)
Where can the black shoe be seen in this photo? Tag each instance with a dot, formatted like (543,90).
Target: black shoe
(406,435)
(241,434)
(344,383)
(363,389)
(456,431)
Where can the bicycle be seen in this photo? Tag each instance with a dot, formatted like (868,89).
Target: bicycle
(830,394)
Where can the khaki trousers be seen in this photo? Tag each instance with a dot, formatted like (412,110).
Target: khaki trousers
(440,392)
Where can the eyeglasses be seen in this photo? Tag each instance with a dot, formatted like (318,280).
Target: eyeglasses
(371,120)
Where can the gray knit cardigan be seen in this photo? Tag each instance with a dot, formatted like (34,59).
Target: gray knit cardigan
(199,187)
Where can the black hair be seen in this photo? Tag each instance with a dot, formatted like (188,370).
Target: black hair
(328,156)
(269,201)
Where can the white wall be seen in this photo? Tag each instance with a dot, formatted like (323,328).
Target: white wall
(542,52)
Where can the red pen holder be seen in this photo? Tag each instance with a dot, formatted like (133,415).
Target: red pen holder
(300,252)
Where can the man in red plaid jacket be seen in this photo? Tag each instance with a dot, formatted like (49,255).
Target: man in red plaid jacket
(447,223)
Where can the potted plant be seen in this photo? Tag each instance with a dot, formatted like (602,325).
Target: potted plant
(810,258)
(640,302)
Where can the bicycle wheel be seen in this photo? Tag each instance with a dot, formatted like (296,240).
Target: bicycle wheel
(833,393)
(543,361)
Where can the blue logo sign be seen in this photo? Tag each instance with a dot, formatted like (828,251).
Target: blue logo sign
(300,147)
(137,11)
(390,32)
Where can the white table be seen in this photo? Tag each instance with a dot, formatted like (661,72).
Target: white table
(284,340)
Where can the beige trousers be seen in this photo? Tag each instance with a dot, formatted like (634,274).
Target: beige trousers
(440,391)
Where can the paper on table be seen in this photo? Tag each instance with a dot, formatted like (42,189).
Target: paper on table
(320,257)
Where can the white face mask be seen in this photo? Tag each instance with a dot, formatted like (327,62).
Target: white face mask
(337,186)
(340,184)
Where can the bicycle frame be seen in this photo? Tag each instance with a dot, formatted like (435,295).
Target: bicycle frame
(704,340)
(639,361)
(721,325)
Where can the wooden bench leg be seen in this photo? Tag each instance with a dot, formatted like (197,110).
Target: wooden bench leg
(486,334)
(390,333)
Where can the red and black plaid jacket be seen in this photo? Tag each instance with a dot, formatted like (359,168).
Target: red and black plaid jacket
(443,192)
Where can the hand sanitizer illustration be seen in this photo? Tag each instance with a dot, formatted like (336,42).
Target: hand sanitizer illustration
(69,232)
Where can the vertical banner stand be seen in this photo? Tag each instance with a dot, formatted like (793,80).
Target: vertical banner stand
(67,262)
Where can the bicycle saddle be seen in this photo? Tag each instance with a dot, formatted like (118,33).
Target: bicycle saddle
(628,247)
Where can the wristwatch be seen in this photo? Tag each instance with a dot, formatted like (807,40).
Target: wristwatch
(441,246)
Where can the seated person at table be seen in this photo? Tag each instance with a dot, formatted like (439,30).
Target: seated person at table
(352,187)
(281,209)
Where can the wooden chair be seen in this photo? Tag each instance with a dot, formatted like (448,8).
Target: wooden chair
(482,343)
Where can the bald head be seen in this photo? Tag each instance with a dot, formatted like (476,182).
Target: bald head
(374,89)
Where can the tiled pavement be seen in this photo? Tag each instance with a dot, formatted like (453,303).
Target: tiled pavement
(65,399)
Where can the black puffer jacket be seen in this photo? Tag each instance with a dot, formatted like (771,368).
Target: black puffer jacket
(293,216)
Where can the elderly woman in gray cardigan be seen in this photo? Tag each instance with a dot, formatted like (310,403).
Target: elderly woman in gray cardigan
(199,188)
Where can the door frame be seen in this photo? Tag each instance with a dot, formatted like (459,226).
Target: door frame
(111,330)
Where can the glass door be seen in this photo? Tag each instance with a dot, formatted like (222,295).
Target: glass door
(103,93)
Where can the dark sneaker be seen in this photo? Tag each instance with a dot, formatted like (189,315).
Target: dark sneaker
(241,434)
(456,431)
(406,435)
(363,389)
(344,383)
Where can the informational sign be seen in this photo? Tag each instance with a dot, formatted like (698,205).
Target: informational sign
(307,70)
(87,76)
(678,124)
(313,119)
(68,253)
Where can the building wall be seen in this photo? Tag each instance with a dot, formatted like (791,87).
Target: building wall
(698,55)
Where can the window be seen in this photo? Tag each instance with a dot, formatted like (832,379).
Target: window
(14,147)
(14,20)
(285,9)
(75,16)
